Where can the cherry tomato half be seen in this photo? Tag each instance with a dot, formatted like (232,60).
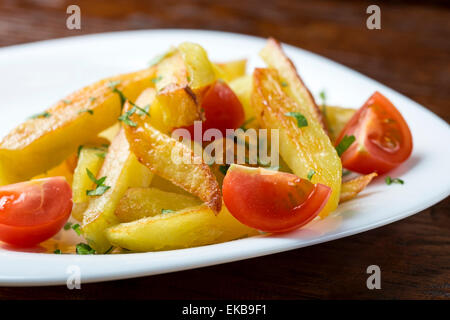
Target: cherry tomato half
(34,211)
(223,110)
(272,201)
(383,139)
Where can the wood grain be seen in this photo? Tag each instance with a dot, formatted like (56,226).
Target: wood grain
(411,54)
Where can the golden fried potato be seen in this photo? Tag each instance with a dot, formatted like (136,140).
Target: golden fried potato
(351,188)
(274,57)
(242,87)
(303,149)
(139,203)
(190,227)
(230,70)
(46,140)
(122,171)
(336,118)
(173,161)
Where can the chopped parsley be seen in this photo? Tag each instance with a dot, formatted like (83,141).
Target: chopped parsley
(390,180)
(156,80)
(79,150)
(77,229)
(67,101)
(113,86)
(44,114)
(125,118)
(301,120)
(101,155)
(100,189)
(57,251)
(346,172)
(323,96)
(90,111)
(83,248)
(92,99)
(164,211)
(68,225)
(311,173)
(284,84)
(345,143)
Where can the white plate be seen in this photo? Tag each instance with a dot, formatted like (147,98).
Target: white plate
(38,74)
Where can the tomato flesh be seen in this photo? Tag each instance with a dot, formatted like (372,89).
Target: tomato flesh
(34,211)
(383,139)
(272,201)
(222,108)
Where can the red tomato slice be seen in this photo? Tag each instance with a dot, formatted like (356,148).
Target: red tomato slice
(223,110)
(34,211)
(383,139)
(272,201)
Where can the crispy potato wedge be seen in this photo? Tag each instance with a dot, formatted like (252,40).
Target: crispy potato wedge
(165,185)
(182,229)
(336,119)
(157,151)
(303,149)
(182,79)
(230,70)
(351,188)
(122,171)
(274,56)
(139,203)
(199,68)
(89,159)
(242,87)
(45,141)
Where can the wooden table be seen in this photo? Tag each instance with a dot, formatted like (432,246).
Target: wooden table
(411,54)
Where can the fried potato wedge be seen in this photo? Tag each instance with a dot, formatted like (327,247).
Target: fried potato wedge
(336,118)
(122,171)
(242,87)
(46,140)
(303,149)
(89,159)
(139,203)
(351,188)
(230,70)
(274,56)
(173,161)
(182,229)
(182,80)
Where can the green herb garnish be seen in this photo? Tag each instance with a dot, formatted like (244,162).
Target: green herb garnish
(67,101)
(83,248)
(79,150)
(345,143)
(323,96)
(57,251)
(77,229)
(125,118)
(68,225)
(284,84)
(92,99)
(44,114)
(346,172)
(100,189)
(301,120)
(156,80)
(164,211)
(390,180)
(311,173)
(90,111)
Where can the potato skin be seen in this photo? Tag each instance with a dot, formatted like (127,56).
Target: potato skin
(41,143)
(191,227)
(303,149)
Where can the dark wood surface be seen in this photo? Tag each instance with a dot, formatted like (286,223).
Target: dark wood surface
(411,54)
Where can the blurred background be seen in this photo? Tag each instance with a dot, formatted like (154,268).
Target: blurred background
(410,53)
